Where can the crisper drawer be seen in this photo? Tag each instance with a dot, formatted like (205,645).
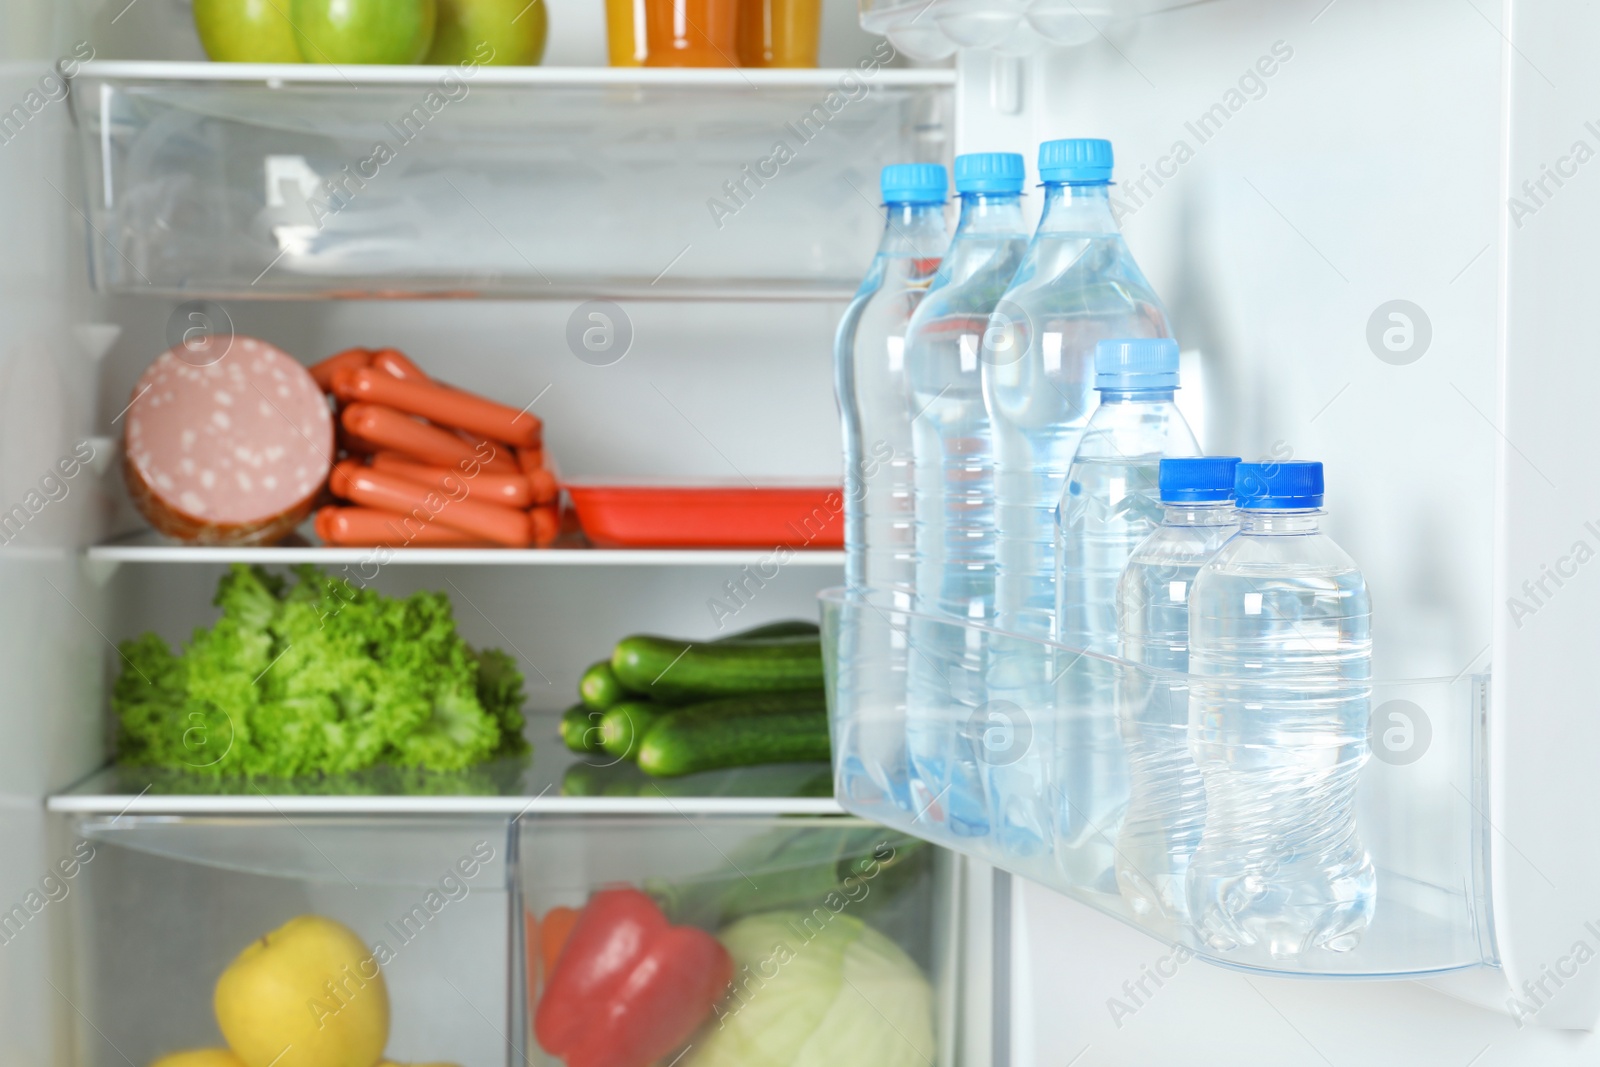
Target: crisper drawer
(1364,857)
(164,905)
(843,944)
(317,941)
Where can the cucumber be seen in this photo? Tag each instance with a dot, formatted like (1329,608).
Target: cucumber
(580,729)
(599,688)
(622,727)
(796,628)
(670,669)
(737,732)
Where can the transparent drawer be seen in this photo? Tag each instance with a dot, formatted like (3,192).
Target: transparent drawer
(162,906)
(261,181)
(848,944)
(1084,781)
(864,946)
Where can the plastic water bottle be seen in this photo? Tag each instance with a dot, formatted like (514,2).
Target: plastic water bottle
(955,487)
(1110,504)
(1076,286)
(1167,799)
(870,379)
(1280,658)
(875,414)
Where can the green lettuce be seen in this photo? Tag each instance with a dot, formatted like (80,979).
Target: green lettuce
(316,677)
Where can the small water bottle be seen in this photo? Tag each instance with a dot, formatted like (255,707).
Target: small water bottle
(1167,799)
(875,415)
(1280,659)
(1109,505)
(955,493)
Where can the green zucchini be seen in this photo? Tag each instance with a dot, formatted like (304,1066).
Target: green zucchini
(580,729)
(669,669)
(599,688)
(737,732)
(622,727)
(791,628)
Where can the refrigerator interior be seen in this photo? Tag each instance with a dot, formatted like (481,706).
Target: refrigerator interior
(1370,167)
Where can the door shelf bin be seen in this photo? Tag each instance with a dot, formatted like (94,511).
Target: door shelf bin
(1035,779)
(259,181)
(450,907)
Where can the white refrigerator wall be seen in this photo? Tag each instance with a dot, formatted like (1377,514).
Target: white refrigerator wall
(50,708)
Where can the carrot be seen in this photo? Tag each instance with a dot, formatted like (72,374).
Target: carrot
(512,490)
(351,358)
(419,505)
(553,931)
(447,407)
(388,428)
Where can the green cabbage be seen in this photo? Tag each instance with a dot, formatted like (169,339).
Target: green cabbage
(818,989)
(320,677)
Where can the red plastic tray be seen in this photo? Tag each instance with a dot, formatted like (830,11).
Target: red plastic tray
(709,516)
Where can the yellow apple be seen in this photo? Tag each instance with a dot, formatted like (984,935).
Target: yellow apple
(200,1057)
(309,994)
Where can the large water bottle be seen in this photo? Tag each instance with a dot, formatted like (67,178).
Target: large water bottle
(1109,505)
(955,487)
(875,414)
(1280,658)
(1076,286)
(870,379)
(1167,799)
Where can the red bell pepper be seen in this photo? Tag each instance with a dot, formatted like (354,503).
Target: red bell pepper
(628,987)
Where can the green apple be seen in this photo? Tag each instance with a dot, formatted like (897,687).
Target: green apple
(363,31)
(497,33)
(246,31)
(309,994)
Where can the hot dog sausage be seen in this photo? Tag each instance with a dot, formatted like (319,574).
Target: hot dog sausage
(511,490)
(419,505)
(447,407)
(354,527)
(352,358)
(388,428)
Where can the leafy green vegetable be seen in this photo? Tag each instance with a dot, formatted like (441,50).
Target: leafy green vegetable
(818,989)
(320,677)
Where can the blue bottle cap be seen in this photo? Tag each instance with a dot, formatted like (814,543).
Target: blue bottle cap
(989,172)
(1077,159)
(1277,486)
(1197,480)
(1136,363)
(914,183)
